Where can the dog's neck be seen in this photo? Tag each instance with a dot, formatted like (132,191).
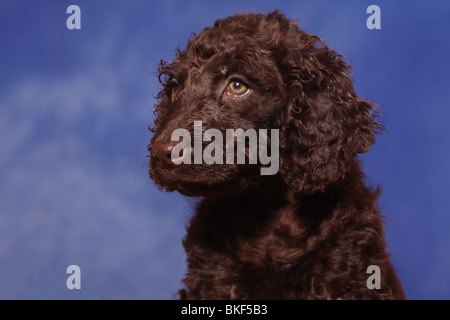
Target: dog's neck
(271,198)
(273,225)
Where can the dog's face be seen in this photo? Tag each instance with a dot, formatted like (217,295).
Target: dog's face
(257,71)
(226,81)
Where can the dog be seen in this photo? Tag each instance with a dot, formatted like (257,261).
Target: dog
(311,229)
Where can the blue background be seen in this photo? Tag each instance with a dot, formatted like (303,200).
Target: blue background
(74,110)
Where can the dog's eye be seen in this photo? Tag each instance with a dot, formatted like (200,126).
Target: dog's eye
(237,88)
(174,90)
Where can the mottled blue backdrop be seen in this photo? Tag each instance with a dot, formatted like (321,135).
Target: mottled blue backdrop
(74,110)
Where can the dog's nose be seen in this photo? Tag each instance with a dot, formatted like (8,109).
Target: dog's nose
(163,152)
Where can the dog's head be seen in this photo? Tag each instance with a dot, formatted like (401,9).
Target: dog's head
(258,72)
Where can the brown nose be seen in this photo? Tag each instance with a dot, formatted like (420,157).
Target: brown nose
(163,152)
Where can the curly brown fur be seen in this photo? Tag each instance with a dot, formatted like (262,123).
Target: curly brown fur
(308,232)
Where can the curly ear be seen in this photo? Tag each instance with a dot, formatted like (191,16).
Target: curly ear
(325,124)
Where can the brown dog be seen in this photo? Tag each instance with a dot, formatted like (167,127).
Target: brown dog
(313,229)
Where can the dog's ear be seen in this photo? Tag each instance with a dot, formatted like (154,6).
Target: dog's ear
(325,123)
